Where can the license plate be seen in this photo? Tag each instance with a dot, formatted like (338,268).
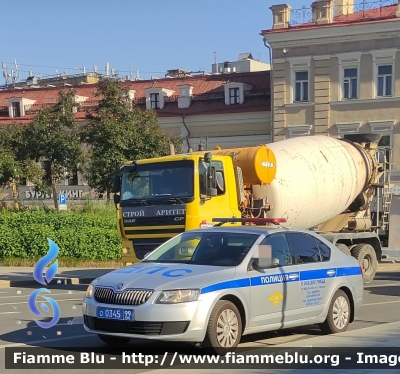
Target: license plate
(114,313)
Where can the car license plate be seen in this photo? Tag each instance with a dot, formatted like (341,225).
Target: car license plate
(114,313)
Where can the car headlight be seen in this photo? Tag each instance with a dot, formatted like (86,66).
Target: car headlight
(177,296)
(89,291)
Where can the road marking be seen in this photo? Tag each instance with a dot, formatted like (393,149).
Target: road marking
(10,312)
(53,294)
(383,285)
(25,302)
(384,302)
(45,341)
(4,292)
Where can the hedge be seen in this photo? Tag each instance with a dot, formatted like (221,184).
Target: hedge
(78,234)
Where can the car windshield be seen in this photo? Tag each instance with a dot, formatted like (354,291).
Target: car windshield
(206,248)
(173,179)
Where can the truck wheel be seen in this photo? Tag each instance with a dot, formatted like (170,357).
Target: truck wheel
(113,340)
(344,248)
(224,328)
(366,256)
(339,313)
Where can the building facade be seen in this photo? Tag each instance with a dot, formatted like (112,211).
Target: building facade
(228,110)
(336,71)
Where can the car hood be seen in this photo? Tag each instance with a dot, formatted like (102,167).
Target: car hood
(161,276)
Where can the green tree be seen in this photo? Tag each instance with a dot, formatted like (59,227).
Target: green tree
(15,165)
(118,131)
(52,141)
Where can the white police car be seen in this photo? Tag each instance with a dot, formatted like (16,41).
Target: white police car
(211,286)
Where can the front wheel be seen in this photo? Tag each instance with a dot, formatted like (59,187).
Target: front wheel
(224,329)
(366,256)
(114,340)
(339,313)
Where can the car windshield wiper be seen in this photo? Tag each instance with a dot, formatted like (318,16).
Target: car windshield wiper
(175,200)
(161,194)
(136,200)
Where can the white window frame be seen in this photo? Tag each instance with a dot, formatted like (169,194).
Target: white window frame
(301,86)
(349,61)
(350,83)
(382,58)
(299,64)
(384,76)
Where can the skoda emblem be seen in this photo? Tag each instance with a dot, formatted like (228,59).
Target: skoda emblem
(120,285)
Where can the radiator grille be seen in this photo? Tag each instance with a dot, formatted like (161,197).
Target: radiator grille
(127,297)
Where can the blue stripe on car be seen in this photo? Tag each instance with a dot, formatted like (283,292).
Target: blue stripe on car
(283,278)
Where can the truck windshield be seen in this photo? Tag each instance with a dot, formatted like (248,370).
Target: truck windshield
(173,179)
(209,248)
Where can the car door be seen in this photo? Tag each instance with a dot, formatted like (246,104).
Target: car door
(317,278)
(274,291)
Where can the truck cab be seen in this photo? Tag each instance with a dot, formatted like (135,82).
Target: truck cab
(159,198)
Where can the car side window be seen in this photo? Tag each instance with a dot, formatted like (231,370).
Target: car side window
(279,248)
(303,247)
(324,251)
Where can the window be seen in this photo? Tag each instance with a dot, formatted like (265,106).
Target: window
(278,248)
(205,248)
(384,80)
(350,83)
(73,178)
(16,110)
(301,86)
(155,101)
(324,250)
(234,95)
(219,172)
(303,247)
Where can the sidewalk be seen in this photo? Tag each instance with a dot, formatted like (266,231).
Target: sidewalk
(13,276)
(387,335)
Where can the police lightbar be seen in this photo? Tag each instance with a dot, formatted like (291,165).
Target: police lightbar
(275,221)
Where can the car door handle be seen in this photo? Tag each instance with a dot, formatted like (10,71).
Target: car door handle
(293,276)
(331,272)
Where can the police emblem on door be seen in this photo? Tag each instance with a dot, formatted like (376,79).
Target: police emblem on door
(276,298)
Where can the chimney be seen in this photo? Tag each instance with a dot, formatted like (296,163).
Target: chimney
(322,12)
(185,93)
(344,7)
(281,16)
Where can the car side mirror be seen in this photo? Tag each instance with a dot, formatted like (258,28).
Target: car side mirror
(117,199)
(117,183)
(265,263)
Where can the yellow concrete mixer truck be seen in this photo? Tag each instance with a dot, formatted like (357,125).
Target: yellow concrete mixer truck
(318,182)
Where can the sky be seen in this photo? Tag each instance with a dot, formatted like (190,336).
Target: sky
(152,36)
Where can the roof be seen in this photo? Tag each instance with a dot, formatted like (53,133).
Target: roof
(380,14)
(207,95)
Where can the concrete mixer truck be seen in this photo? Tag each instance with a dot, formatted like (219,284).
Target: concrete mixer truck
(319,183)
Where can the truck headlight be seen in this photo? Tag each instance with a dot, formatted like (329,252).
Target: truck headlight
(177,296)
(89,291)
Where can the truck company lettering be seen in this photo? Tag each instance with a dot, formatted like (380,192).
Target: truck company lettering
(154,211)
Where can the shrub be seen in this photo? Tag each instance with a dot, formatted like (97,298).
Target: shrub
(88,234)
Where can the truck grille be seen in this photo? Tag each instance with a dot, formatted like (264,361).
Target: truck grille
(136,327)
(127,297)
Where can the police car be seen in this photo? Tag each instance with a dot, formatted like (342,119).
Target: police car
(212,286)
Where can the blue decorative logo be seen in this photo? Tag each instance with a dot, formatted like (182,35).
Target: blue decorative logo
(38,275)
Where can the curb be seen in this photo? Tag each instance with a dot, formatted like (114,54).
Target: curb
(54,282)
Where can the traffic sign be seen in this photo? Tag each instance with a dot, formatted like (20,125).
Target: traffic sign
(62,199)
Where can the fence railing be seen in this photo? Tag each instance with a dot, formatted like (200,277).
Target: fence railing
(356,11)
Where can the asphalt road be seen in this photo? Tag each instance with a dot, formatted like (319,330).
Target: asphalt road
(17,326)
